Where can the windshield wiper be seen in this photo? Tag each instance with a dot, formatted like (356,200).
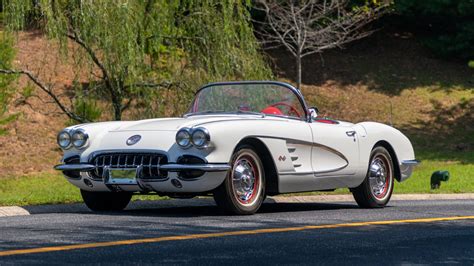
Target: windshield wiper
(225,112)
(203,113)
(250,113)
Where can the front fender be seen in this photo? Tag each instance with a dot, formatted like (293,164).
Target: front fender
(400,144)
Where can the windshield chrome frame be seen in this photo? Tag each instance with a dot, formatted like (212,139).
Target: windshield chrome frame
(296,91)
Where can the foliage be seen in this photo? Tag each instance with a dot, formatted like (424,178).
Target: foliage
(157,44)
(87,108)
(7,53)
(446,25)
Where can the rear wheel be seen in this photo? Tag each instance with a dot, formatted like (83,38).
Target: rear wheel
(106,201)
(376,190)
(243,190)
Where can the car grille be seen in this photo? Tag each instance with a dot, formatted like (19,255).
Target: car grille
(149,163)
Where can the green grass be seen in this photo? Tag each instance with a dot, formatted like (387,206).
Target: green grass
(461,178)
(43,188)
(39,189)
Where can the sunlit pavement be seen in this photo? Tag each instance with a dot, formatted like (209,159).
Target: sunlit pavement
(440,231)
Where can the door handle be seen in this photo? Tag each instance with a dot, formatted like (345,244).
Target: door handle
(350,133)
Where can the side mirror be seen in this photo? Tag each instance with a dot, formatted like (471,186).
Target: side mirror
(313,111)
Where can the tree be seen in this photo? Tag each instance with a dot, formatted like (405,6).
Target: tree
(7,54)
(305,27)
(444,26)
(125,48)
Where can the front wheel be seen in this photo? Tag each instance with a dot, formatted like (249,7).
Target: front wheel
(243,190)
(376,190)
(106,201)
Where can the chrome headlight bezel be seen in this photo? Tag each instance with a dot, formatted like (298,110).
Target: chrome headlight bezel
(66,145)
(183,134)
(79,138)
(200,137)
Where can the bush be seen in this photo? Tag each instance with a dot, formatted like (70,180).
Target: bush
(7,53)
(445,26)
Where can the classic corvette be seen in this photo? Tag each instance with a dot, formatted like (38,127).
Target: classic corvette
(239,141)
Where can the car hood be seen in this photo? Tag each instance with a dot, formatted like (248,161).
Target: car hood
(173,124)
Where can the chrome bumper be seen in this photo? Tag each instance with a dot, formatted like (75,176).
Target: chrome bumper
(167,167)
(406,168)
(410,162)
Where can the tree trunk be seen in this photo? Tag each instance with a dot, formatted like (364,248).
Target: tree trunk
(117,105)
(298,71)
(117,112)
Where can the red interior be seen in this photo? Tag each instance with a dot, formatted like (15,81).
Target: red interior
(326,121)
(270,110)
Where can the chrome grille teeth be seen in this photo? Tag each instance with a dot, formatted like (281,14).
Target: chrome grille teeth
(149,163)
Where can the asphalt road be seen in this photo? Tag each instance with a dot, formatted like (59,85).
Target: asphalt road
(281,233)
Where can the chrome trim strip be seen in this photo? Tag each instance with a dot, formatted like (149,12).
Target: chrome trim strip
(167,167)
(295,173)
(202,167)
(314,172)
(75,167)
(410,162)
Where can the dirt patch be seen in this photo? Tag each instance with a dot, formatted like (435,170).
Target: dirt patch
(29,145)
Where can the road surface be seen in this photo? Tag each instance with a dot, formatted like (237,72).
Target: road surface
(405,232)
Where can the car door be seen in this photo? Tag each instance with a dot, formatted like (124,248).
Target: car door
(335,151)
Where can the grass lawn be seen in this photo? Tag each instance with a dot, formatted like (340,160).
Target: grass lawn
(43,189)
(461,178)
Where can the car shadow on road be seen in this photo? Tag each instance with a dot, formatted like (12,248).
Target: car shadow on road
(214,211)
(189,208)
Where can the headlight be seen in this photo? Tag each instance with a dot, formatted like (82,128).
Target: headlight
(79,139)
(200,137)
(64,140)
(183,138)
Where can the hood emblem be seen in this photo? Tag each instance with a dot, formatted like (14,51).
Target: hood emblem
(133,140)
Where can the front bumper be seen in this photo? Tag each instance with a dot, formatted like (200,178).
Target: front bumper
(406,168)
(83,167)
(213,175)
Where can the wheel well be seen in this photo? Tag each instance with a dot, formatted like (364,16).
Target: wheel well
(271,176)
(390,150)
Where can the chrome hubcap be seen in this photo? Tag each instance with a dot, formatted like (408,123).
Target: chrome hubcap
(379,176)
(245,179)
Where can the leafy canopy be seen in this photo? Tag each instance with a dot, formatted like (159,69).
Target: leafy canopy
(128,46)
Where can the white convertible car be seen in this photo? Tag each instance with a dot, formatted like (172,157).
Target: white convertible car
(239,142)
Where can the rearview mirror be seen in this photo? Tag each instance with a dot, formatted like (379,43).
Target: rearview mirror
(313,111)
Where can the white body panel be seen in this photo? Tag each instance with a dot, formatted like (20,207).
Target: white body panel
(307,155)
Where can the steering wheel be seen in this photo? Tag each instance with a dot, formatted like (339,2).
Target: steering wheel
(292,110)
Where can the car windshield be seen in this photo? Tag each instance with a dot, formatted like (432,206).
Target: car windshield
(259,98)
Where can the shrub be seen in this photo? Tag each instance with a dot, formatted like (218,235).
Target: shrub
(7,53)
(445,26)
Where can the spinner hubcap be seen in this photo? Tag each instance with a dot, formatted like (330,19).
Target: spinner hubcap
(246,179)
(380,176)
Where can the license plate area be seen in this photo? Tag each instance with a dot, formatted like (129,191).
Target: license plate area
(122,176)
